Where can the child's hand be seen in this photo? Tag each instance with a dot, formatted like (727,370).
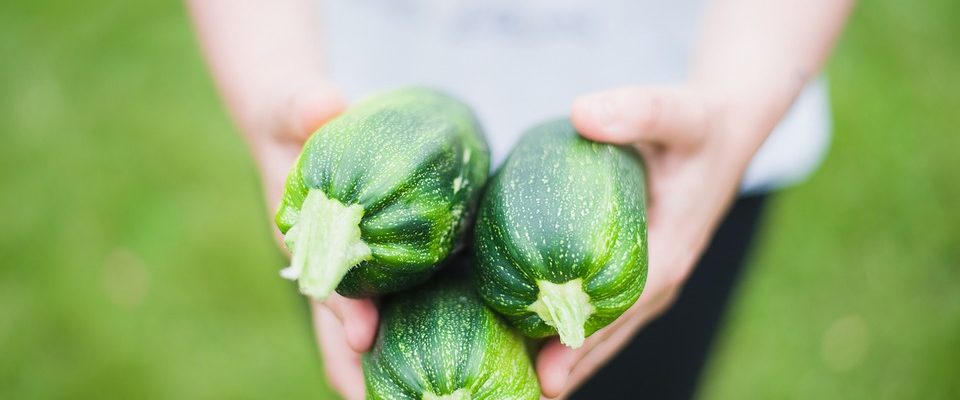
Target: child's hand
(695,150)
(345,328)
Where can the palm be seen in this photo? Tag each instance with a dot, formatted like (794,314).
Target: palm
(692,181)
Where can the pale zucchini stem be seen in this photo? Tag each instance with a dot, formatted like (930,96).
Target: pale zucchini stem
(460,394)
(324,244)
(565,307)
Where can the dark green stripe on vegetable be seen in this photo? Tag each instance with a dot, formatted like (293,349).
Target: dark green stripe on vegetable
(561,234)
(380,195)
(441,342)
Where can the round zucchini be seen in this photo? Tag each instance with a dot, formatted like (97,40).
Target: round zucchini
(441,342)
(380,195)
(561,234)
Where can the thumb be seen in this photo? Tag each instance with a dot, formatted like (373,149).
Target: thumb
(293,120)
(359,318)
(308,110)
(669,116)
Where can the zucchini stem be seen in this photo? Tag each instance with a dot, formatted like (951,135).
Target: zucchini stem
(565,307)
(324,244)
(460,394)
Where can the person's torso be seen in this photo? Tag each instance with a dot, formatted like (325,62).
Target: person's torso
(518,63)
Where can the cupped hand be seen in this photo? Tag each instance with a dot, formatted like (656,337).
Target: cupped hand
(695,148)
(345,328)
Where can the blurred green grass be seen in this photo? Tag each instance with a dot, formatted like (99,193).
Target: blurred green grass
(137,261)
(854,291)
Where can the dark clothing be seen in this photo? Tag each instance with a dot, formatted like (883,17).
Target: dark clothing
(664,361)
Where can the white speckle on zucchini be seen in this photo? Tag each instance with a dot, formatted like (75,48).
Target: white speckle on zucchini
(458,183)
(461,394)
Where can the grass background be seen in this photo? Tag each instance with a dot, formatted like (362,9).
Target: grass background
(136,260)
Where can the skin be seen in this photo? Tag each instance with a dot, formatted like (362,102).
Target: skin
(697,137)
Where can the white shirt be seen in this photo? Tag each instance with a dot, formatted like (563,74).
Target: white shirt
(518,63)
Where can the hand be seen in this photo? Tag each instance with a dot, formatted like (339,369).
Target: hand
(695,149)
(276,130)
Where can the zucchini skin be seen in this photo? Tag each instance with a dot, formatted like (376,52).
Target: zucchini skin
(441,341)
(414,159)
(563,208)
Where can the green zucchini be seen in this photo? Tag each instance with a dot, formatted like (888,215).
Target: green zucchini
(560,239)
(380,195)
(441,342)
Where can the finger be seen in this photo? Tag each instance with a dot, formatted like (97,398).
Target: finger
(554,363)
(342,365)
(562,369)
(598,355)
(638,113)
(308,110)
(275,163)
(359,319)
(615,336)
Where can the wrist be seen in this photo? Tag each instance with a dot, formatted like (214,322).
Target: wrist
(742,116)
(758,97)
